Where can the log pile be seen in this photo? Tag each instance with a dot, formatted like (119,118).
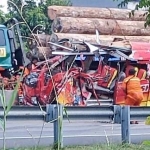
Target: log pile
(80,23)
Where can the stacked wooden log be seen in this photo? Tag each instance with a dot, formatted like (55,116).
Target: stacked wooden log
(80,23)
(39,47)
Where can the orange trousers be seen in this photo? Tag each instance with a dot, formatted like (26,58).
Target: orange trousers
(134,98)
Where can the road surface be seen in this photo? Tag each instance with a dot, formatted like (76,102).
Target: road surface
(27,133)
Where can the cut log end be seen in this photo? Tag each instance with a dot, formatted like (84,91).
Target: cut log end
(57,26)
(44,52)
(52,14)
(54,38)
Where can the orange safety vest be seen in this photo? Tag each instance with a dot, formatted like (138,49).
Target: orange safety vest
(26,72)
(132,86)
(132,83)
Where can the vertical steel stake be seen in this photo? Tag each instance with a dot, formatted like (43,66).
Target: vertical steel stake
(125,124)
(117,114)
(58,126)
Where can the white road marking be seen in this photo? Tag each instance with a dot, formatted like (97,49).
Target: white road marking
(72,136)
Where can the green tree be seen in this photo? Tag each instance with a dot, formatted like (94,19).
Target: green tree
(34,13)
(2,15)
(142,4)
(44,6)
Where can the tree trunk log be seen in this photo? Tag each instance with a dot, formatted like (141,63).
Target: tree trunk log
(39,46)
(41,40)
(104,39)
(105,26)
(90,12)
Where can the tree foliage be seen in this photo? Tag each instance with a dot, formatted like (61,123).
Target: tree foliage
(142,4)
(35,14)
(2,15)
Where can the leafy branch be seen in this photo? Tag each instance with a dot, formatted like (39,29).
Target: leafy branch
(141,4)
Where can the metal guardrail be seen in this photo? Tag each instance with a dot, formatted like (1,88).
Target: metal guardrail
(99,113)
(25,113)
(136,113)
(139,113)
(117,114)
(103,113)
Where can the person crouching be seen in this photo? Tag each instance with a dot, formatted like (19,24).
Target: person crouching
(132,87)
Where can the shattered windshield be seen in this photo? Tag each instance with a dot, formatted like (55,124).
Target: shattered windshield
(2,38)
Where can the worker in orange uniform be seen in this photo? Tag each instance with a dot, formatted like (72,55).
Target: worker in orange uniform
(30,66)
(132,87)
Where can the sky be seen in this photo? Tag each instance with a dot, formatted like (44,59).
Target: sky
(96,3)
(4,3)
(86,3)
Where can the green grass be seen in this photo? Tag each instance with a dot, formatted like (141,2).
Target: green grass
(98,147)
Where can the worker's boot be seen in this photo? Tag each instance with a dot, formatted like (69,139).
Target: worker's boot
(133,122)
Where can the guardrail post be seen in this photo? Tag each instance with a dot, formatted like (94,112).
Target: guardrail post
(125,124)
(117,114)
(58,126)
(49,113)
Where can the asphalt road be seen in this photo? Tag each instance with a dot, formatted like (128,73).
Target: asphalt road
(27,133)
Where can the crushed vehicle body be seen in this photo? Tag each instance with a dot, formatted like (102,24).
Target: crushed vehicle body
(87,77)
(71,71)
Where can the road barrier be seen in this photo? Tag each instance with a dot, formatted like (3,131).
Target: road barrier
(139,113)
(103,113)
(99,113)
(56,113)
(25,113)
